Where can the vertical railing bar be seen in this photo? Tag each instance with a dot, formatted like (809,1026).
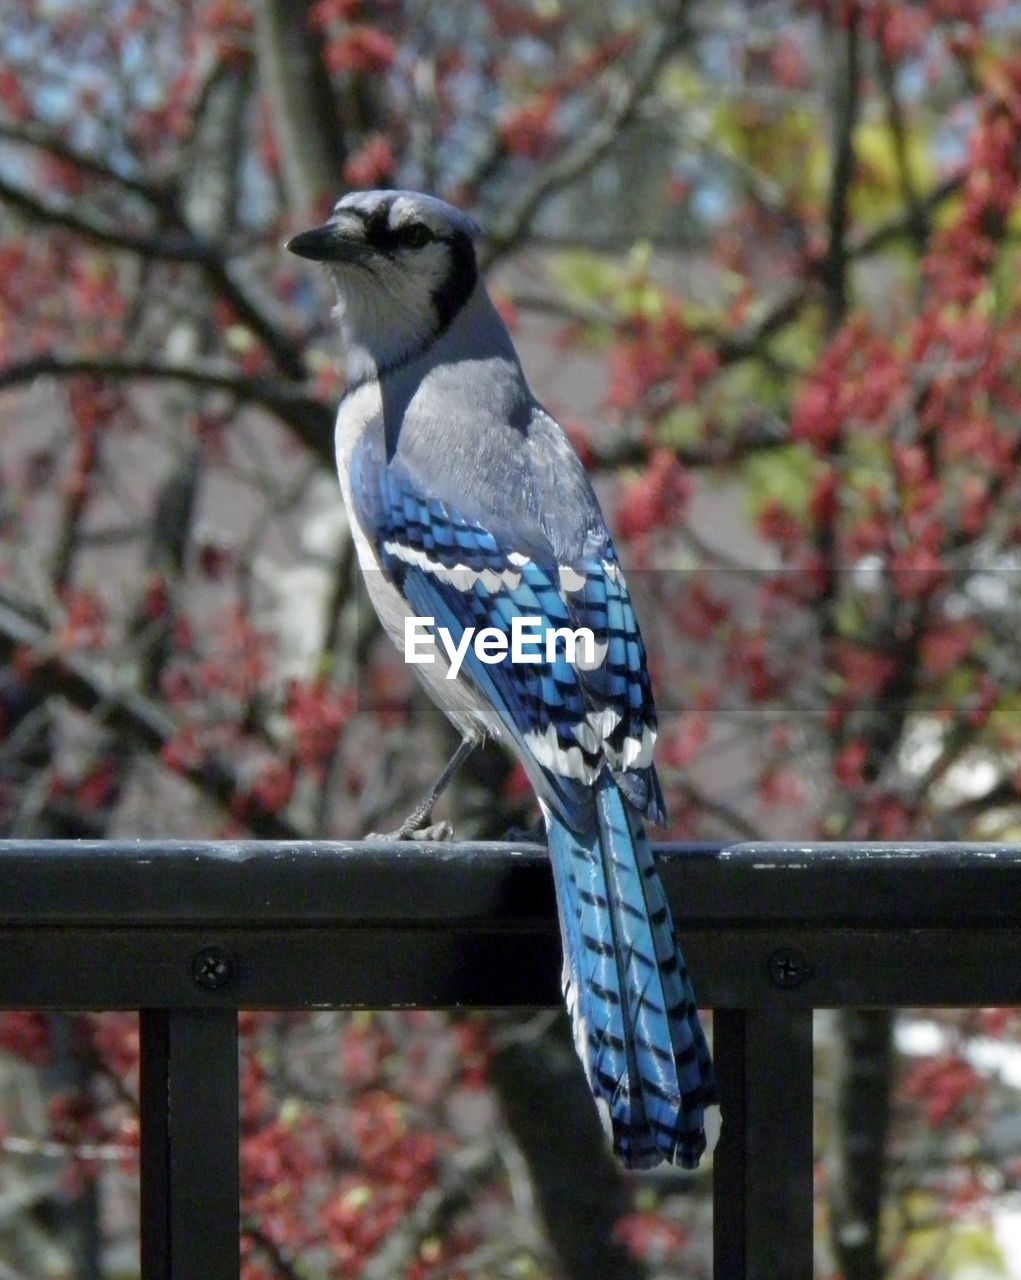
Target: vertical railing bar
(729,1159)
(154,1162)
(778,1144)
(763,1166)
(204,1135)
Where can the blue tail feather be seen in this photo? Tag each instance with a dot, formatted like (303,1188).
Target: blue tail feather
(636,1025)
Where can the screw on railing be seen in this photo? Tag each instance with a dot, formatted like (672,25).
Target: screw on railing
(211,968)
(788,967)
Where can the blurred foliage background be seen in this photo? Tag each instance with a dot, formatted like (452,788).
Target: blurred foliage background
(761,257)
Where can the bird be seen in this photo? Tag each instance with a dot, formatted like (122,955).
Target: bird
(469,507)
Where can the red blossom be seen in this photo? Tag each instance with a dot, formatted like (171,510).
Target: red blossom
(892,818)
(115,1038)
(365,1047)
(787,62)
(779,525)
(12,95)
(510,18)
(866,536)
(997,1022)
(93,404)
(156,597)
(782,785)
(317,712)
(325,12)
(649,1236)
(900,29)
(373,164)
(361,48)
(273,788)
(700,613)
(865,671)
(271,1156)
(657,499)
(182,752)
(966,248)
(85,620)
(860,381)
(27,1036)
(748,661)
(683,740)
(475,1050)
(943,1085)
(653,353)
(823,501)
(849,765)
(917,572)
(945,646)
(99,786)
(528,130)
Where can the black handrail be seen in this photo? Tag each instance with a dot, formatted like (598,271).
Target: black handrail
(190,932)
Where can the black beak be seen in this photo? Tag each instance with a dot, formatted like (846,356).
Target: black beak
(320,244)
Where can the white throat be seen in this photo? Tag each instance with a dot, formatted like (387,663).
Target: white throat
(390,330)
(386,313)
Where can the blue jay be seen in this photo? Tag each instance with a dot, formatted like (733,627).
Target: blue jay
(469,506)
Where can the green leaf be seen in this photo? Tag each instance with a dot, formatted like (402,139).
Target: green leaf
(785,475)
(588,277)
(681,427)
(877,190)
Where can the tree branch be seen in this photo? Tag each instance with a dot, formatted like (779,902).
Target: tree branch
(90,690)
(309,419)
(845,118)
(548,1107)
(580,159)
(731,817)
(297,87)
(27,133)
(918,222)
(180,246)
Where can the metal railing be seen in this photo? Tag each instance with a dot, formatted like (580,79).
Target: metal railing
(189,933)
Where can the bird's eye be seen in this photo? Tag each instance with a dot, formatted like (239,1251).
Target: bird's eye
(417,235)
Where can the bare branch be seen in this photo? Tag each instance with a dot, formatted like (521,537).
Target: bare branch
(704,803)
(145,722)
(30,134)
(173,246)
(916,215)
(309,419)
(580,159)
(180,246)
(845,119)
(296,85)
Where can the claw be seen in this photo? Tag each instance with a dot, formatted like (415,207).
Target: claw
(437,831)
(433,832)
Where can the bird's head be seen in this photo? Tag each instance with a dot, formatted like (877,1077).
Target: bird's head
(403,264)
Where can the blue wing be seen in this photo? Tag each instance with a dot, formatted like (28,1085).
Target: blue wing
(569,720)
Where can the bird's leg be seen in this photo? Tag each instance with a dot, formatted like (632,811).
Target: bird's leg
(415,825)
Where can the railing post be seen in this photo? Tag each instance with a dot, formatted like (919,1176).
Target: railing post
(189,1160)
(762,1169)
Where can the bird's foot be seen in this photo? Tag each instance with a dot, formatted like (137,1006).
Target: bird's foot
(431,832)
(434,832)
